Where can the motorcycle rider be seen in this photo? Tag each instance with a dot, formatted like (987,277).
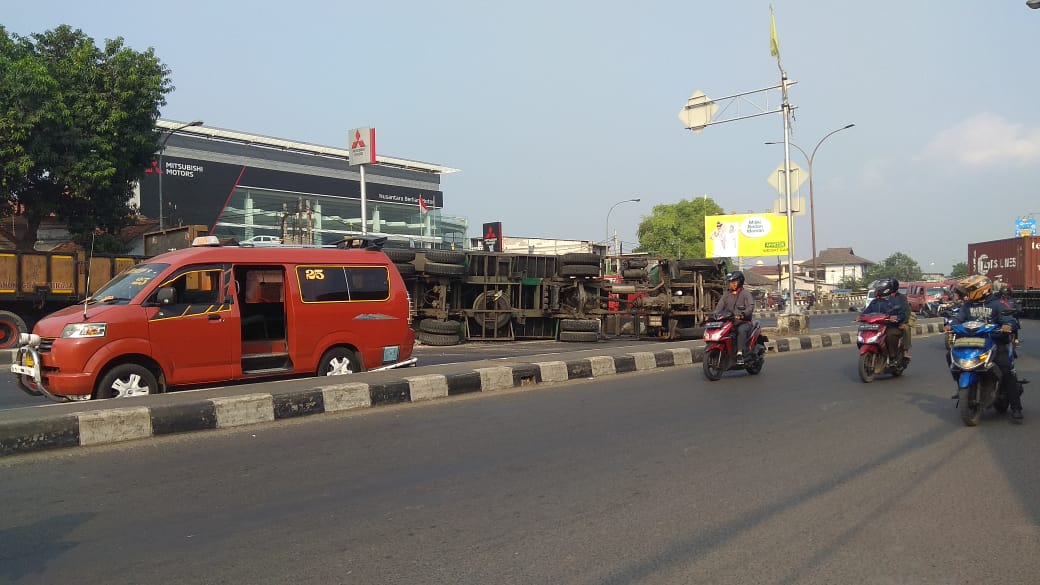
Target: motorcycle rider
(739,302)
(981,303)
(887,301)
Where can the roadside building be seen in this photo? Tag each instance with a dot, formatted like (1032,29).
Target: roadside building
(243,185)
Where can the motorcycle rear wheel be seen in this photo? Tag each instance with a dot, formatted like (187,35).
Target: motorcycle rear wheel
(867,364)
(754,367)
(970,411)
(713,364)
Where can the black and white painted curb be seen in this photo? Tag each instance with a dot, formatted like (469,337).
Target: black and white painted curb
(117,424)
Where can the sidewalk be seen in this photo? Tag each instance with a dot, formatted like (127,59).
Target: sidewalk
(99,422)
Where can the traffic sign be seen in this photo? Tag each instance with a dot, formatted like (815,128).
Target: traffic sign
(698,111)
(776,179)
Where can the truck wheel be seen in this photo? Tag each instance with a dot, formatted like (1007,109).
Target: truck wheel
(438,326)
(579,270)
(338,361)
(399,255)
(586,336)
(11,328)
(445,256)
(636,262)
(441,269)
(127,380)
(580,259)
(437,338)
(405,270)
(580,325)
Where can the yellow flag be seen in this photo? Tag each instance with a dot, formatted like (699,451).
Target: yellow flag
(774,45)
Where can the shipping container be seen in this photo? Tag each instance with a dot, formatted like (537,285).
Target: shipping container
(1015,261)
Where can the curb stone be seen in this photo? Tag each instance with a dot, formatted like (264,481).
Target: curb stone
(126,423)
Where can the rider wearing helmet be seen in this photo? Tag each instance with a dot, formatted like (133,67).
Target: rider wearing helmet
(887,301)
(742,305)
(981,304)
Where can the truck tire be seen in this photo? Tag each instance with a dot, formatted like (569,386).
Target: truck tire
(579,325)
(445,256)
(636,263)
(427,338)
(633,274)
(580,259)
(11,328)
(579,270)
(439,269)
(406,270)
(696,264)
(579,336)
(438,326)
(399,255)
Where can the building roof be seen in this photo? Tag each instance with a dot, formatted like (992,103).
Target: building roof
(231,135)
(838,257)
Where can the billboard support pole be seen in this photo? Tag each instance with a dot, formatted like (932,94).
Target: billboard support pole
(364,203)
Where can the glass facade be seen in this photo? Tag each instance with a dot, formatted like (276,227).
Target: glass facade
(299,218)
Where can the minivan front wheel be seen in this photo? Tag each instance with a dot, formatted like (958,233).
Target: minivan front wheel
(126,380)
(338,361)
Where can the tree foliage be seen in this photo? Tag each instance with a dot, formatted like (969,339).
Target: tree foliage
(898,265)
(77,128)
(676,230)
(959,270)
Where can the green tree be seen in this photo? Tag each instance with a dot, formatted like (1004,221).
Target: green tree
(676,230)
(959,270)
(898,265)
(77,128)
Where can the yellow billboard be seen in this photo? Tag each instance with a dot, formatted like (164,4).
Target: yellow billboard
(745,235)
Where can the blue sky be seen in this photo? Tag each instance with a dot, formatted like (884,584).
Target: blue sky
(553,111)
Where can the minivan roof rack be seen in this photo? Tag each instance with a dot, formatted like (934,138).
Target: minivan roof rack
(362,243)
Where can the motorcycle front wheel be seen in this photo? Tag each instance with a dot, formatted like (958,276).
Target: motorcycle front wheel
(969,407)
(713,364)
(867,365)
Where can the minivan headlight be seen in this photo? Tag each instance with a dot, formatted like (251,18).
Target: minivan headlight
(82,330)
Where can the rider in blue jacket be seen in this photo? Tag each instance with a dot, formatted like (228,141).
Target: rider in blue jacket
(981,305)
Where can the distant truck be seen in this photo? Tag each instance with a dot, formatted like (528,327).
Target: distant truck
(1016,263)
(33,284)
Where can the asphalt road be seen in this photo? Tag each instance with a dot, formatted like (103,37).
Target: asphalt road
(800,475)
(11,396)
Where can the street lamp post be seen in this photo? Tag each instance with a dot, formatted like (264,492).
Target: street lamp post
(812,204)
(614,240)
(162,147)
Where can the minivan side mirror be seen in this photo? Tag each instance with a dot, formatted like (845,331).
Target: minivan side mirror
(167,296)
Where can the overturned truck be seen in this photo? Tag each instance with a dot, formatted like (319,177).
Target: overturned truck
(493,296)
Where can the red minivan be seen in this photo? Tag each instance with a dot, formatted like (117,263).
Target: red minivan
(213,313)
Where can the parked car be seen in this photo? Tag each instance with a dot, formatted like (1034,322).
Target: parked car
(262,241)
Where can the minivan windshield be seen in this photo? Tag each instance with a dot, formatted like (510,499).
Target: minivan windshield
(128,283)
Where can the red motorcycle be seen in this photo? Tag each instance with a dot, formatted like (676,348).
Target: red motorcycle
(720,339)
(872,341)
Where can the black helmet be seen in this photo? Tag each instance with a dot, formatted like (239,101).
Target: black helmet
(884,287)
(737,276)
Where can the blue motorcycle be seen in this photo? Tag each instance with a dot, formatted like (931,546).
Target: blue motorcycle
(972,364)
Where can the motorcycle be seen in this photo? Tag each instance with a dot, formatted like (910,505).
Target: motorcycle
(720,338)
(871,340)
(977,374)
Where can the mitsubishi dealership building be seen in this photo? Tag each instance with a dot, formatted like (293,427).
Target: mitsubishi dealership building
(247,186)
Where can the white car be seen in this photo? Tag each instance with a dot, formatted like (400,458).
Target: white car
(262,241)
